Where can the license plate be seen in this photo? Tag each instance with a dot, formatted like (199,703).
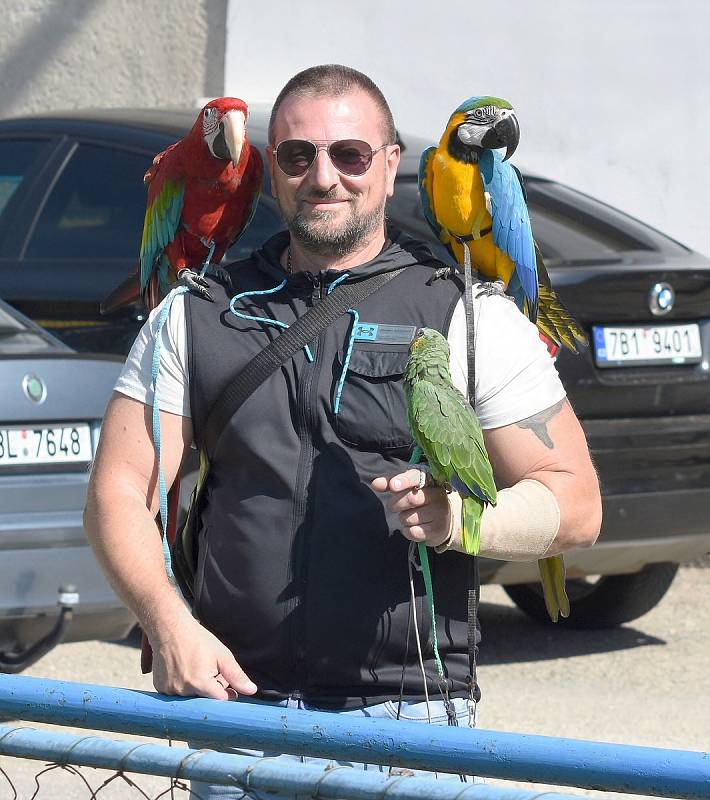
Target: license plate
(647,344)
(61,444)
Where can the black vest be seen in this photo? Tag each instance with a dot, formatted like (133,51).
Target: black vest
(302,572)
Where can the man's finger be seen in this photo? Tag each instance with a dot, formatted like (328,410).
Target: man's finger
(231,694)
(397,483)
(417,533)
(411,498)
(210,687)
(236,677)
(417,516)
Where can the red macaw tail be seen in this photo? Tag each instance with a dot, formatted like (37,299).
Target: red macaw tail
(127,293)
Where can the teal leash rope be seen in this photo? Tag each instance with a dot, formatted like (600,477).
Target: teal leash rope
(155,371)
(426,572)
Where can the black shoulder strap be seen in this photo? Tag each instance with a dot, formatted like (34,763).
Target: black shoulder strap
(474,580)
(268,360)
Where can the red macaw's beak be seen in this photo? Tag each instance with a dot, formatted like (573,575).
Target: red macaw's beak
(233,128)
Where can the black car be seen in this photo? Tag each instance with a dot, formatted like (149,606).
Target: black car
(71,214)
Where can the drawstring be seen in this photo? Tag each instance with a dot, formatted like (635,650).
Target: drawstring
(349,349)
(278,323)
(155,370)
(264,320)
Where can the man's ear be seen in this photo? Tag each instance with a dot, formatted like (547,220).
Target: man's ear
(392,163)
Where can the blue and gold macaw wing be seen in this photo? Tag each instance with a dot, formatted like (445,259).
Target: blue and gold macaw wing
(426,178)
(511,226)
(161,222)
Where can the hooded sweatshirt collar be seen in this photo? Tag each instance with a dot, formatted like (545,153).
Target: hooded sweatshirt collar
(400,250)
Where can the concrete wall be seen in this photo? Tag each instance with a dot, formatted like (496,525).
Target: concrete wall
(613,97)
(60,54)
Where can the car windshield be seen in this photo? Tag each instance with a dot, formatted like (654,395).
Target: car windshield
(570,227)
(16,337)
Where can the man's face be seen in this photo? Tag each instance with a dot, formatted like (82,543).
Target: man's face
(328,212)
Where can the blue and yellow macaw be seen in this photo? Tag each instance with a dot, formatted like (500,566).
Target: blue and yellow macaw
(475,202)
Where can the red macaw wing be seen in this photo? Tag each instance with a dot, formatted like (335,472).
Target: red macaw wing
(162,216)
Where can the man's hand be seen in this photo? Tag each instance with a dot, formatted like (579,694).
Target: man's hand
(122,504)
(189,660)
(425,513)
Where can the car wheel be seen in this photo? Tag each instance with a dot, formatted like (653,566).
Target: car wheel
(604,602)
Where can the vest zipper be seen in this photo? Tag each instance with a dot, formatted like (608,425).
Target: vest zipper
(306,422)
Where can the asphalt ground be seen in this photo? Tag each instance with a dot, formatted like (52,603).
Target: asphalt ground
(646,683)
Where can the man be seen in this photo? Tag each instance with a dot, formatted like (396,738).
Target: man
(301,592)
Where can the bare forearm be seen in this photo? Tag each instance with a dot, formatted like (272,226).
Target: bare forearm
(126,540)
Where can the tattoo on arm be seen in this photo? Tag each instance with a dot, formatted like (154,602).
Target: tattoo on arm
(538,423)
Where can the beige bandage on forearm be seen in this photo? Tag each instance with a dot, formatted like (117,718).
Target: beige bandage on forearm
(520,527)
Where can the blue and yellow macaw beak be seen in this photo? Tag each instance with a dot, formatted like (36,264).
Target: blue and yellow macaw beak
(498,129)
(504,133)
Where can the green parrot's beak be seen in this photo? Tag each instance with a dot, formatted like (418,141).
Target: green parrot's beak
(233,129)
(505,133)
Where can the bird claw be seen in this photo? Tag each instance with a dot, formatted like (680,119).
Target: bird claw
(492,289)
(443,273)
(195,283)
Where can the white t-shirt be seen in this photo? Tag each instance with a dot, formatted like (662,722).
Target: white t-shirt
(515,376)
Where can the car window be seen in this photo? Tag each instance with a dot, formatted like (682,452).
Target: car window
(265,223)
(17,157)
(96,208)
(571,227)
(15,337)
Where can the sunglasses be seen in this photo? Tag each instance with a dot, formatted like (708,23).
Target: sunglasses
(349,156)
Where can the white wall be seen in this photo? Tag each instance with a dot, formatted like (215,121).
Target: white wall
(65,54)
(612,97)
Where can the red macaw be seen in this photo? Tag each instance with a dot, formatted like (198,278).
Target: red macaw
(202,194)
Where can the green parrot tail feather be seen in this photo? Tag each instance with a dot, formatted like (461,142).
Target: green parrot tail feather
(557,323)
(471,512)
(552,575)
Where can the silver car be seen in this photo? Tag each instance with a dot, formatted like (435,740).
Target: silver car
(52,400)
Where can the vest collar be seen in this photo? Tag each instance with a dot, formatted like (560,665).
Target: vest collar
(399,250)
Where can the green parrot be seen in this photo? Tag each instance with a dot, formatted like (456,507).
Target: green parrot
(449,434)
(447,430)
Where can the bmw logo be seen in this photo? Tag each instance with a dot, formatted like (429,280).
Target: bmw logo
(661,299)
(34,388)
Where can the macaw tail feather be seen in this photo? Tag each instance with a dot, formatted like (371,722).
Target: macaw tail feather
(557,323)
(553,319)
(127,293)
(471,512)
(552,575)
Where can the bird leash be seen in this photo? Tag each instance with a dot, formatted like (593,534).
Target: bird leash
(474,692)
(425,569)
(155,372)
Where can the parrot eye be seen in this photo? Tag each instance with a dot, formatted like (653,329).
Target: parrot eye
(481,115)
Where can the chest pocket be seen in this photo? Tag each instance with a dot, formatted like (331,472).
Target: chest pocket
(373,407)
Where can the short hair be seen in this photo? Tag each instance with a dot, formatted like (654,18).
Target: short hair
(333,80)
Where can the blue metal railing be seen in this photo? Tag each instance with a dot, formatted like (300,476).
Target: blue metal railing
(248,773)
(519,757)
